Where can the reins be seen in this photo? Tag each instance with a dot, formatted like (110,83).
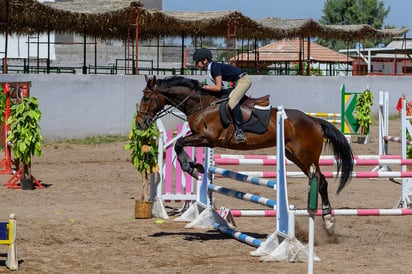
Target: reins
(150,117)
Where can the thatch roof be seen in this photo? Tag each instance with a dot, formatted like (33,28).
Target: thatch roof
(112,20)
(290,50)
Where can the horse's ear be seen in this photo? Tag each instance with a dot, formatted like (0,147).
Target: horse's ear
(146,78)
(153,81)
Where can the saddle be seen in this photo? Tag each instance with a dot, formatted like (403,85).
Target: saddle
(255,111)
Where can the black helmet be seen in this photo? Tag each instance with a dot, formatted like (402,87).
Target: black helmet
(201,54)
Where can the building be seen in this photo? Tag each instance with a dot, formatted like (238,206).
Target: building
(295,56)
(394,59)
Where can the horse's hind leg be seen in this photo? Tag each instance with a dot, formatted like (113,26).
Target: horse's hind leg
(326,207)
(323,186)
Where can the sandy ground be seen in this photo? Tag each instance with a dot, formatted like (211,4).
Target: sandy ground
(83,222)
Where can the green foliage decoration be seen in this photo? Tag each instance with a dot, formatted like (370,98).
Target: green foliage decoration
(363,111)
(25,132)
(144,150)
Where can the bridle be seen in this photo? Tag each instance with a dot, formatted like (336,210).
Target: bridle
(149,118)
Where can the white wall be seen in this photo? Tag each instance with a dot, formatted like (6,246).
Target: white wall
(77,106)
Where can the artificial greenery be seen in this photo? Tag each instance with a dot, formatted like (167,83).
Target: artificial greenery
(363,111)
(25,132)
(144,150)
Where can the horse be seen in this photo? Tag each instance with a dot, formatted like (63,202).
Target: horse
(304,135)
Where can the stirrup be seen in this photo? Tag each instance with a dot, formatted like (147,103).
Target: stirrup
(240,136)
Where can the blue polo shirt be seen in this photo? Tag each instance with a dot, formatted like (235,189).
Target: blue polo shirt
(229,73)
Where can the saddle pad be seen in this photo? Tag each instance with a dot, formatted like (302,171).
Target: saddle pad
(258,122)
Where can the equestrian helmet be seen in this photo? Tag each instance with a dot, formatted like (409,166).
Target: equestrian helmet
(201,54)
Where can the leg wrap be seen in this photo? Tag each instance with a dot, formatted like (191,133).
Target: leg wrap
(326,210)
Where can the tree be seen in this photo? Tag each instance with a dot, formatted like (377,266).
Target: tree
(353,12)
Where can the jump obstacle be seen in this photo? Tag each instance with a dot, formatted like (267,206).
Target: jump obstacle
(173,184)
(8,237)
(385,138)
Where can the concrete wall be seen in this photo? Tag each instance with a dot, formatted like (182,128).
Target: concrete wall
(77,106)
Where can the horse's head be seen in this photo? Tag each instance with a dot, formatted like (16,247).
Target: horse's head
(150,104)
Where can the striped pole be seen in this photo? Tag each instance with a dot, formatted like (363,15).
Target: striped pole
(334,174)
(323,114)
(322,162)
(242,195)
(242,177)
(326,116)
(396,139)
(253,213)
(322,157)
(238,235)
(335,212)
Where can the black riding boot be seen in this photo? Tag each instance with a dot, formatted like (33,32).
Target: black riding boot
(240,136)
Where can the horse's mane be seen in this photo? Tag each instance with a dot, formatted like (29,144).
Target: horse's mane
(174,81)
(179,81)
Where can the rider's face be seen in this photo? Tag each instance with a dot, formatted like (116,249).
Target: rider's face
(201,63)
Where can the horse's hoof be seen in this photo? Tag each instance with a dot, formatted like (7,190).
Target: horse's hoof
(194,173)
(200,168)
(329,223)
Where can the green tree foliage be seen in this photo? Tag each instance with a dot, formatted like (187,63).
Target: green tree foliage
(353,12)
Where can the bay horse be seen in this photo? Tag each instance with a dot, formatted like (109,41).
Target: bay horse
(304,135)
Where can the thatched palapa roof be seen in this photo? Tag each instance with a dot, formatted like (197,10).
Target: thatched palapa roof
(112,20)
(290,51)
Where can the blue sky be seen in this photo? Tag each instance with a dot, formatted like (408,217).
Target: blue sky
(399,16)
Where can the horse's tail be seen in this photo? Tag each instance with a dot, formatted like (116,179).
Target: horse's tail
(341,150)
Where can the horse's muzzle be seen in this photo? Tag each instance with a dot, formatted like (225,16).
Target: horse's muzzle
(144,124)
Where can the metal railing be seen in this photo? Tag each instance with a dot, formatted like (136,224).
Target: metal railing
(128,67)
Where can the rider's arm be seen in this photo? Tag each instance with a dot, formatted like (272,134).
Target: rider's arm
(217,87)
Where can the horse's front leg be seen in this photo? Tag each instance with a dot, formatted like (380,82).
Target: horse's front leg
(187,164)
(327,217)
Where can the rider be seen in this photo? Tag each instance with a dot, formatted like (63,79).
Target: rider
(219,72)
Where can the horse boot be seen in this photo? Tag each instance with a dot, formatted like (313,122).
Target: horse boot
(240,136)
